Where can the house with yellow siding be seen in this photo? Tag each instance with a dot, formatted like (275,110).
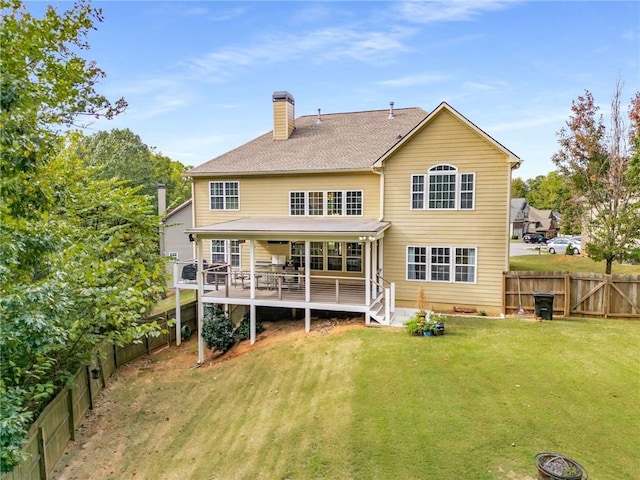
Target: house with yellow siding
(353,212)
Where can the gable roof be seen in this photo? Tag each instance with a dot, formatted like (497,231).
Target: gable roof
(512,157)
(182,206)
(517,209)
(339,142)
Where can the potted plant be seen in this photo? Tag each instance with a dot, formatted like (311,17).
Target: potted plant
(416,326)
(434,323)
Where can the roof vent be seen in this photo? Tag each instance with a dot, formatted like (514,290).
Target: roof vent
(319,119)
(390,110)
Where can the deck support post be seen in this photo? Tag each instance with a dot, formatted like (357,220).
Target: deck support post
(200,304)
(307,320)
(178,319)
(252,324)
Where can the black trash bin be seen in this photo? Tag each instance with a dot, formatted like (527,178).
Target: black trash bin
(543,305)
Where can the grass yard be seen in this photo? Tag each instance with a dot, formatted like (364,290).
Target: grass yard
(375,403)
(169,303)
(566,263)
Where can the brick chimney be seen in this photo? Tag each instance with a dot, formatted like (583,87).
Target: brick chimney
(284,122)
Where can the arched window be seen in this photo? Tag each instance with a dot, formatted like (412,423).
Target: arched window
(443,188)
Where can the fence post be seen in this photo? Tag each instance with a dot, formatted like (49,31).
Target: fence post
(567,294)
(115,356)
(606,296)
(42,452)
(72,420)
(103,380)
(89,384)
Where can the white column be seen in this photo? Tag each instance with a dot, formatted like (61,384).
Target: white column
(307,320)
(178,319)
(307,271)
(252,268)
(252,324)
(381,256)
(252,286)
(200,280)
(367,272)
(374,269)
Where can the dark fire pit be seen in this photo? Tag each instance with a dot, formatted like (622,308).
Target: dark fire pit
(554,466)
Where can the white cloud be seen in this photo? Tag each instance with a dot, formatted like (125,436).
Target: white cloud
(448,10)
(323,44)
(414,80)
(531,120)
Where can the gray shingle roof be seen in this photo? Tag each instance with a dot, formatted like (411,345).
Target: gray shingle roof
(340,142)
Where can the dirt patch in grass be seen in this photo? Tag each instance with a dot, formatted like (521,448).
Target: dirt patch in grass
(86,458)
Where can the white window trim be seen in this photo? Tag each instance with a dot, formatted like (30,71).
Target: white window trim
(226,251)
(460,192)
(325,202)
(452,264)
(224,196)
(406,261)
(458,188)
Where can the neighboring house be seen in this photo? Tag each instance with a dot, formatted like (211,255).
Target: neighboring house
(519,217)
(175,242)
(355,212)
(545,222)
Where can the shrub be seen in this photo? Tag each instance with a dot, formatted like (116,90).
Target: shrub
(217,330)
(243,332)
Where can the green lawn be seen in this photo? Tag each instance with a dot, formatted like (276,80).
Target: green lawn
(375,403)
(169,303)
(566,263)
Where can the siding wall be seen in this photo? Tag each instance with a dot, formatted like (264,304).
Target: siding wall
(175,240)
(268,197)
(446,140)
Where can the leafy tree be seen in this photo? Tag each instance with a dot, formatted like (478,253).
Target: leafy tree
(550,193)
(75,261)
(518,188)
(122,154)
(600,172)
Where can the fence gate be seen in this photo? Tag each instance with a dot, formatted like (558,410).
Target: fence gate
(575,294)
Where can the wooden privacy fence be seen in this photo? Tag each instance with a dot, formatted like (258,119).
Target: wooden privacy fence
(574,294)
(55,427)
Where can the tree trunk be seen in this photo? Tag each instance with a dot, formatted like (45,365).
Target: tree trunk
(609,265)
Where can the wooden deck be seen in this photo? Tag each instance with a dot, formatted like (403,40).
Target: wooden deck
(283,290)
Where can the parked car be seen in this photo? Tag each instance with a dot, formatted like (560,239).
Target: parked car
(559,245)
(534,238)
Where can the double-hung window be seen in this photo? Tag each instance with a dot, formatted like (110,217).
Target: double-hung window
(297,203)
(316,203)
(443,188)
(417,263)
(354,203)
(442,264)
(223,251)
(224,195)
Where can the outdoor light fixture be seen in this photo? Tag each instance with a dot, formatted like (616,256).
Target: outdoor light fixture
(191,239)
(95,373)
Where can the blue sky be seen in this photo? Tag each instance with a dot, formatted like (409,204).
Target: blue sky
(199,76)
